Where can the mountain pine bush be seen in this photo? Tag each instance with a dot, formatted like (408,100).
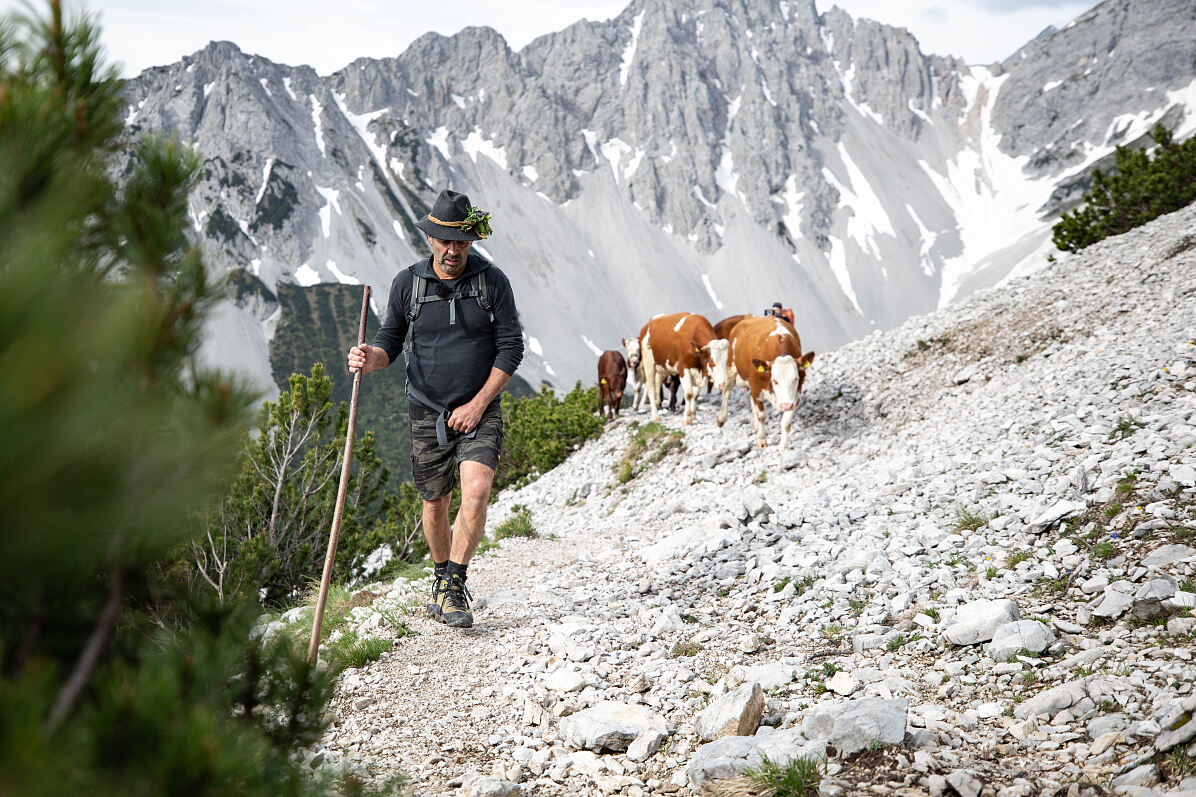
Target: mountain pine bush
(113,444)
(540,431)
(270,531)
(1141,188)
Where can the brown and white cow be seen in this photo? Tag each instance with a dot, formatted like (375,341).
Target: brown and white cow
(767,358)
(723,328)
(683,344)
(639,387)
(612,378)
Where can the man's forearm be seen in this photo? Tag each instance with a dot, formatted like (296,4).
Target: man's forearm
(494,384)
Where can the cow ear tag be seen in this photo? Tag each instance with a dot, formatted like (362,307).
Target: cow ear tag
(760,368)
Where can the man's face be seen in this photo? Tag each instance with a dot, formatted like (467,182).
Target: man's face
(449,257)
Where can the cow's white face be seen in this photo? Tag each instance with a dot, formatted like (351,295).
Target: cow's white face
(784,377)
(718,351)
(632,347)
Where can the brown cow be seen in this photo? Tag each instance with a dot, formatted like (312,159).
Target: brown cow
(683,344)
(767,358)
(612,378)
(723,328)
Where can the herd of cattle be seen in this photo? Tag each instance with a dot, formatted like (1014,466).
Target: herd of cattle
(760,353)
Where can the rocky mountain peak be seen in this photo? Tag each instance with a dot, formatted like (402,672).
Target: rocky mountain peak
(709,155)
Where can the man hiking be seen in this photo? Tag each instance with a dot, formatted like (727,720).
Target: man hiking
(453,317)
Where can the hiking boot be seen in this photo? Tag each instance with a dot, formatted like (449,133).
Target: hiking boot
(438,583)
(454,603)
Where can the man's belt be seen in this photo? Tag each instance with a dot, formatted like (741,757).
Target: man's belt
(442,414)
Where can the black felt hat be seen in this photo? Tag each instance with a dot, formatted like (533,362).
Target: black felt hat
(452,218)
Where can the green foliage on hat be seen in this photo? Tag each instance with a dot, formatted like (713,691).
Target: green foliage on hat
(478,221)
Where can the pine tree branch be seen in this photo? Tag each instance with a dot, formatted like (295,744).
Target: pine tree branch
(90,656)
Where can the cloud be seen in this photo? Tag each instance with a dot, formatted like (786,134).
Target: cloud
(936,15)
(1013,6)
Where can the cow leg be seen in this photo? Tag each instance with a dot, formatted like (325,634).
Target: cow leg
(652,382)
(639,388)
(758,422)
(674,382)
(786,422)
(722,410)
(691,383)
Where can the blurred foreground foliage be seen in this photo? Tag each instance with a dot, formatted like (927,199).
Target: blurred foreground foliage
(114,446)
(1142,188)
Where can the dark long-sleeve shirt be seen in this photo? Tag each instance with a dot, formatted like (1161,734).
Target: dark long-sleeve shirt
(450,363)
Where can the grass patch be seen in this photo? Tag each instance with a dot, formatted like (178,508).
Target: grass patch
(1103,550)
(1016,558)
(1178,763)
(650,442)
(798,777)
(1126,425)
(990,572)
(349,650)
(409,571)
(518,524)
(967,520)
(685,649)
(832,631)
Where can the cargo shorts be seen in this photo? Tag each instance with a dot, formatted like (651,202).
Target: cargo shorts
(435,468)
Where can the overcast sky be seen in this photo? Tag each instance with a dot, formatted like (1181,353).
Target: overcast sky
(328,36)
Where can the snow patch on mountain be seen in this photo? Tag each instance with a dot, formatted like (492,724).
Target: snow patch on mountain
(629,52)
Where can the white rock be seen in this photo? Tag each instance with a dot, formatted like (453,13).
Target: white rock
(1013,637)
(735,713)
(609,726)
(977,621)
(841,683)
(856,724)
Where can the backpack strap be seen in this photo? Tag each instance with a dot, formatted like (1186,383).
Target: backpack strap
(481,290)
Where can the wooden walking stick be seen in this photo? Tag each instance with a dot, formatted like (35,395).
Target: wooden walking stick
(313,647)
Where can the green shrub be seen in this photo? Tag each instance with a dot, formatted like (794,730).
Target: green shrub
(519,524)
(541,430)
(1140,189)
(271,530)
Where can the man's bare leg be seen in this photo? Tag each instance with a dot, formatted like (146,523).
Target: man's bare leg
(468,528)
(436,532)
(476,480)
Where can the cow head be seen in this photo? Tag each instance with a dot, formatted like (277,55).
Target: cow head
(784,375)
(715,358)
(632,347)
